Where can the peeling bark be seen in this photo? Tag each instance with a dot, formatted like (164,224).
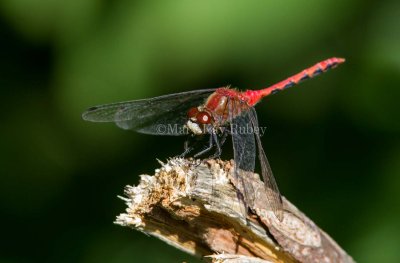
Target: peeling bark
(194,206)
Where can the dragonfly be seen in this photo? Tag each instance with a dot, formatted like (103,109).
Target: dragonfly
(215,112)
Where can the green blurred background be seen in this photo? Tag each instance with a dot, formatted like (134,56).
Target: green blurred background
(333,142)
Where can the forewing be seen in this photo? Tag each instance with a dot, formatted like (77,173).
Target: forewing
(164,115)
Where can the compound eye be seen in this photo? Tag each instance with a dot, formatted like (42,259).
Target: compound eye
(203,117)
(192,112)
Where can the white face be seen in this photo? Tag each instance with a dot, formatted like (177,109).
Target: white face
(194,127)
(199,119)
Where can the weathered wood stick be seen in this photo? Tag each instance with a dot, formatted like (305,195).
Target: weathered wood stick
(193,205)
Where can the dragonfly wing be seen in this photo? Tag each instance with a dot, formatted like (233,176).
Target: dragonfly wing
(163,115)
(244,151)
(273,194)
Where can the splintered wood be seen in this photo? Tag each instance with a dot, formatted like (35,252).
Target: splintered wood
(194,206)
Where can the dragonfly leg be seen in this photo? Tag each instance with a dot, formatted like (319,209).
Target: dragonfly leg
(209,148)
(218,144)
(187,149)
(224,136)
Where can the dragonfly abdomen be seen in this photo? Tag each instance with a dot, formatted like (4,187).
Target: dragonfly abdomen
(254,96)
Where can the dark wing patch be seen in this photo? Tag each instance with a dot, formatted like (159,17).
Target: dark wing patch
(147,115)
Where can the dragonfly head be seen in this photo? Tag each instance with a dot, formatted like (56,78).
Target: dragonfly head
(198,118)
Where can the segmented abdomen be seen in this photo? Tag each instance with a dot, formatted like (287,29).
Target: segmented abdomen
(254,96)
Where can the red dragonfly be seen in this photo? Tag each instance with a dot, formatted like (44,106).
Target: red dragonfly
(215,112)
